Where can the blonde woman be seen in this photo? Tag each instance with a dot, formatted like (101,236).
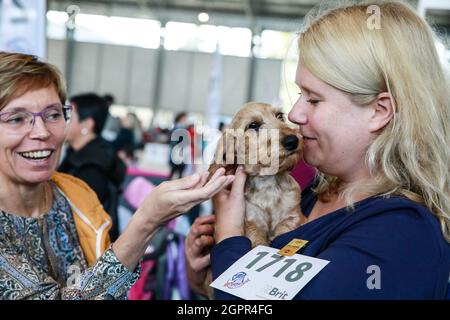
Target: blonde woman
(54,241)
(374,113)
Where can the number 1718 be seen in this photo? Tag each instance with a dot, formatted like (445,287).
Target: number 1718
(292,276)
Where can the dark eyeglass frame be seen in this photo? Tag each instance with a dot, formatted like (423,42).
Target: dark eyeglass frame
(67,109)
(25,129)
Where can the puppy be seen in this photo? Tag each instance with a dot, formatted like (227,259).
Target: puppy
(260,140)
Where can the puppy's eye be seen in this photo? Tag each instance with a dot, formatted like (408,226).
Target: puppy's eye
(254,126)
(280,116)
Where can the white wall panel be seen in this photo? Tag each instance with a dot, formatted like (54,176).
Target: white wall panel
(115,72)
(85,72)
(234,83)
(130,74)
(56,54)
(142,77)
(176,80)
(266,83)
(200,82)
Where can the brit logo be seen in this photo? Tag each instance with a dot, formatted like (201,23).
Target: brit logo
(237,281)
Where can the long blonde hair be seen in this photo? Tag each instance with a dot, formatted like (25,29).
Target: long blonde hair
(411,156)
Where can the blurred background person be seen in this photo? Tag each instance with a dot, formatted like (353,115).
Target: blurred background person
(112,124)
(112,128)
(132,122)
(177,167)
(109,98)
(125,137)
(92,158)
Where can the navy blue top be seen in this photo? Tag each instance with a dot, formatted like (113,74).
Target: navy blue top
(401,237)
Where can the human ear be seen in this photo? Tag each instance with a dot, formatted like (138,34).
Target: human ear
(88,123)
(383,112)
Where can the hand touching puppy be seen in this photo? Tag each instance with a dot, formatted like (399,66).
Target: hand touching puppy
(264,200)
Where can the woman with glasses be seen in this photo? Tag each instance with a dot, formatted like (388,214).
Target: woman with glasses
(54,240)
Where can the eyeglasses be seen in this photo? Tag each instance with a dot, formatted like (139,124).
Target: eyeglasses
(21,121)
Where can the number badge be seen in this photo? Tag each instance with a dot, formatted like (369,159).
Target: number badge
(264,274)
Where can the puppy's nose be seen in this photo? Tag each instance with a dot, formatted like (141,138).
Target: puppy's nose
(290,142)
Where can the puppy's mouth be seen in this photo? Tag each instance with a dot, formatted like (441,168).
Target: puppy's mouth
(293,152)
(289,153)
(290,159)
(37,155)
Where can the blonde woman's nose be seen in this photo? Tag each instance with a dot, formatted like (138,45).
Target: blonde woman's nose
(296,115)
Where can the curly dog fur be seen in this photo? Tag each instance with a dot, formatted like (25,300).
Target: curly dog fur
(272,195)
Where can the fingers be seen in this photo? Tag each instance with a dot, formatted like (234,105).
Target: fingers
(203,178)
(209,219)
(213,187)
(200,244)
(210,189)
(203,220)
(219,172)
(201,263)
(197,182)
(238,186)
(202,229)
(195,230)
(183,183)
(198,240)
(220,196)
(195,252)
(204,241)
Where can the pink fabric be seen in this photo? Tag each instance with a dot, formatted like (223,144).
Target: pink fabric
(137,292)
(303,174)
(145,173)
(137,190)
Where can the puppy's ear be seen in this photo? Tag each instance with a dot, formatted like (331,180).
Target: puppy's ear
(225,155)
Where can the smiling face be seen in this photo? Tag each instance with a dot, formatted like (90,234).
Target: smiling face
(31,158)
(335,130)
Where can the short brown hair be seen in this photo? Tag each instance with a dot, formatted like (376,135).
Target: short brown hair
(20,73)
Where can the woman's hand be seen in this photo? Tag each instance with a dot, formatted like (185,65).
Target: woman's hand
(165,202)
(172,198)
(229,208)
(197,247)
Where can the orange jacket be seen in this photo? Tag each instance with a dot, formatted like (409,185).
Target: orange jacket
(91,220)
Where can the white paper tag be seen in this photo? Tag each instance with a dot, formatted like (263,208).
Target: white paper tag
(264,274)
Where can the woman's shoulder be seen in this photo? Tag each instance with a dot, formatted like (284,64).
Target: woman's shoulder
(401,236)
(75,190)
(82,199)
(399,222)
(395,221)
(393,207)
(383,209)
(66,181)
